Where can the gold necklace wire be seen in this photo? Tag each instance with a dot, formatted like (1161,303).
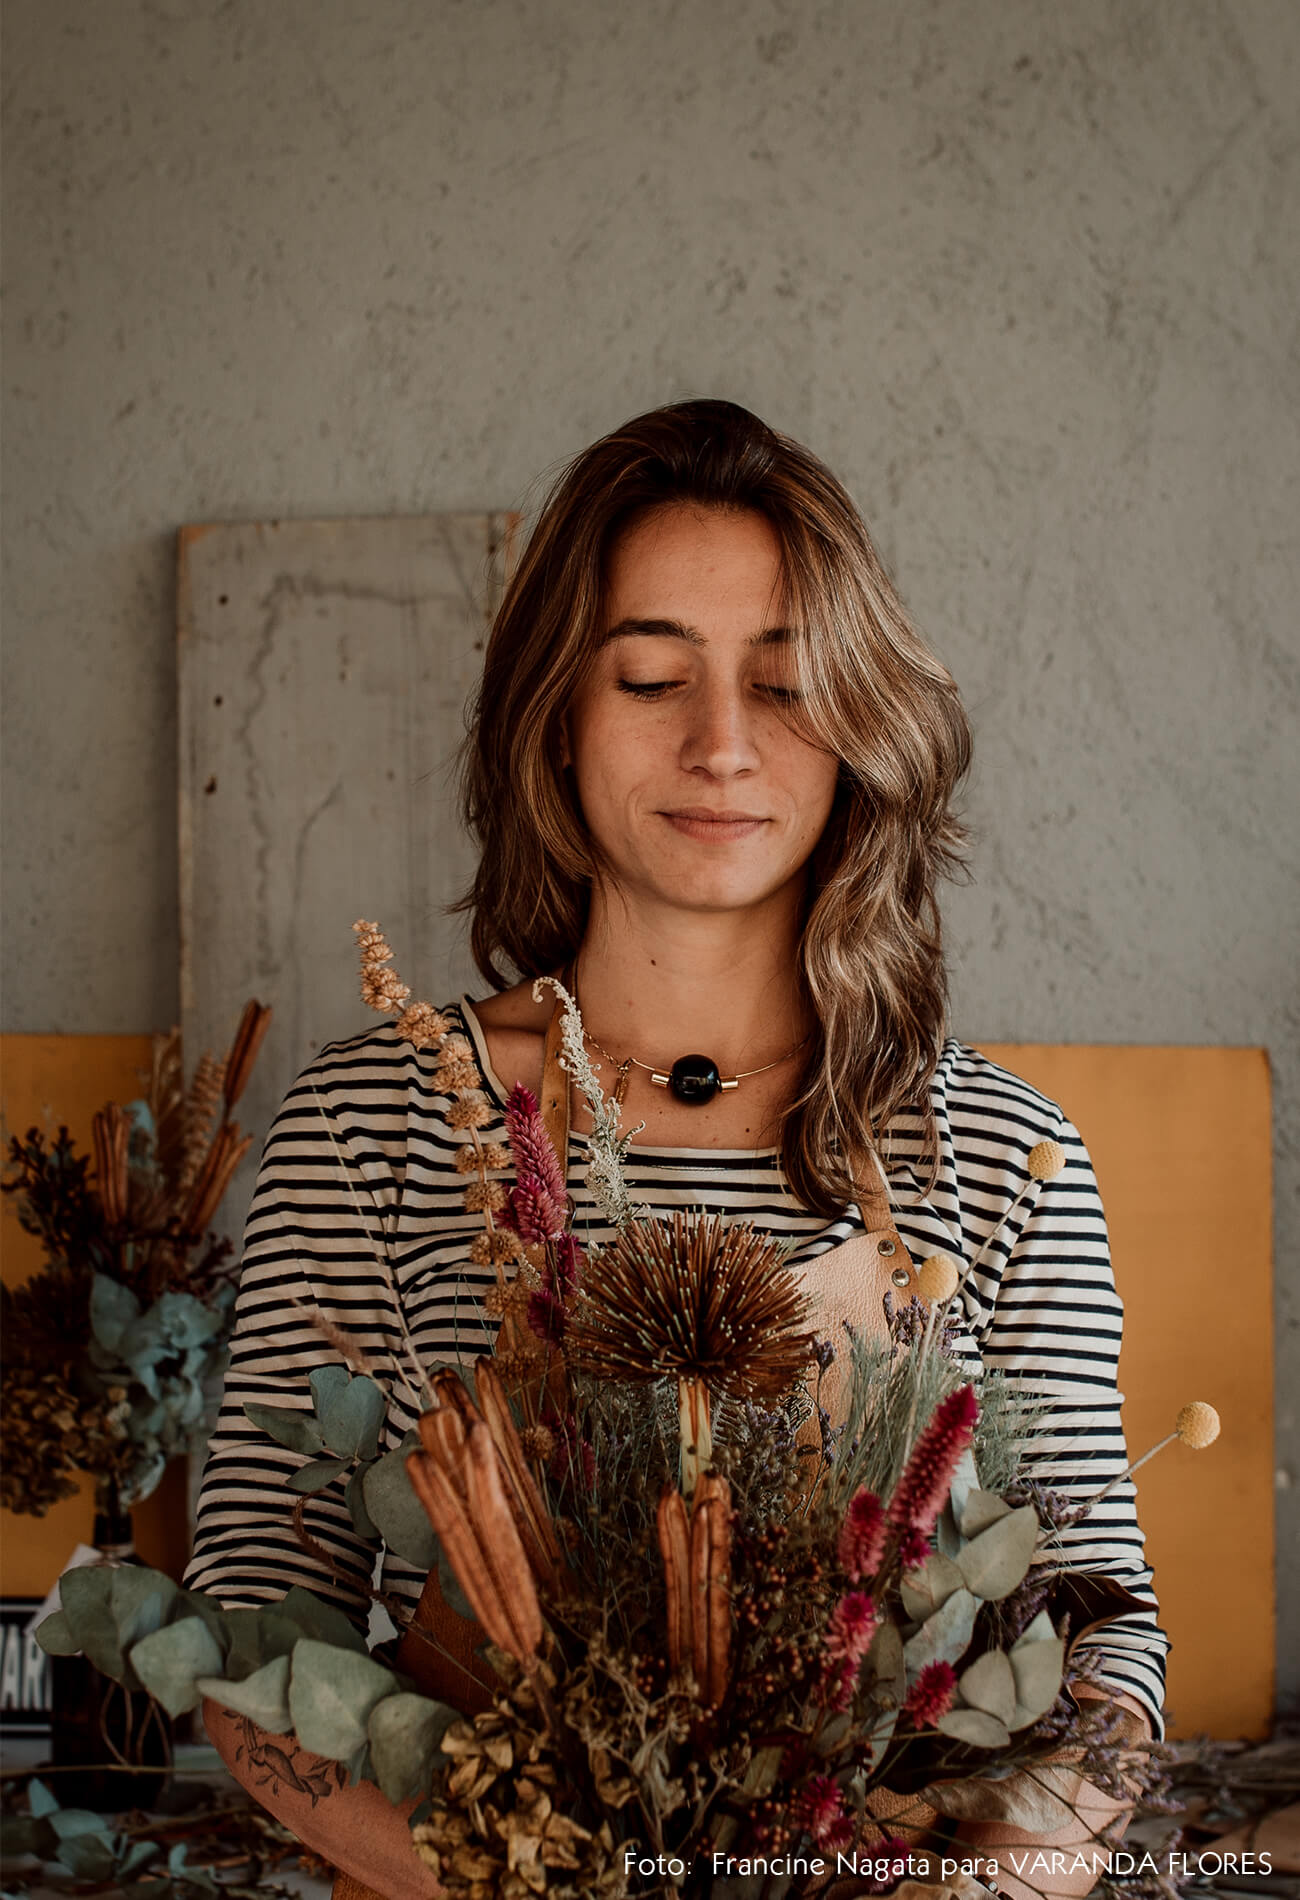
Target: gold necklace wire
(660,1076)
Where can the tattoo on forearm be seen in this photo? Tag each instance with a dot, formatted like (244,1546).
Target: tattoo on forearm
(278,1764)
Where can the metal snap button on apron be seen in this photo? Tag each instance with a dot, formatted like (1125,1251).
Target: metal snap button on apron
(886,1246)
(901,1277)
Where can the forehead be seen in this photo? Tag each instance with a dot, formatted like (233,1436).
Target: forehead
(688,564)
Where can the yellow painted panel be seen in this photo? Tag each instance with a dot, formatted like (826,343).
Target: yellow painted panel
(46,1081)
(1181,1142)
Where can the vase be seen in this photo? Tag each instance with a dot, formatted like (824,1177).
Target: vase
(114,1743)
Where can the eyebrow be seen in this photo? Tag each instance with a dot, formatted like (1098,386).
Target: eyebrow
(676,630)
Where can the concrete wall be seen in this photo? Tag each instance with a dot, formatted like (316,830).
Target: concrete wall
(1025,273)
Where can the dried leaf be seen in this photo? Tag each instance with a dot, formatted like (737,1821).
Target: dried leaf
(990,1685)
(973,1726)
(995,1562)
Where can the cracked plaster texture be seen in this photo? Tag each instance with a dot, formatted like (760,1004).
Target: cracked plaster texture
(1025,275)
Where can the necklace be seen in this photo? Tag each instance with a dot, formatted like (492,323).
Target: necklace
(692,1079)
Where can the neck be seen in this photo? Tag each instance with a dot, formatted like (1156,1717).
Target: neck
(721,984)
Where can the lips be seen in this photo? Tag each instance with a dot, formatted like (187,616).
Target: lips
(720,827)
(706,816)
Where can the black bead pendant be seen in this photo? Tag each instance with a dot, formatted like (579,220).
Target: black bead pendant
(694,1079)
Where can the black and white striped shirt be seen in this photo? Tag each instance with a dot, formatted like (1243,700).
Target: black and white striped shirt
(359,1214)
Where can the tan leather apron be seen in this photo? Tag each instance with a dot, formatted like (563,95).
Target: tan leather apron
(848,1282)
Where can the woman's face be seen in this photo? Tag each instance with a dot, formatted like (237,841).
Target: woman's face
(692,782)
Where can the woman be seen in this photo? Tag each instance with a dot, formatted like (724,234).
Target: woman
(711,772)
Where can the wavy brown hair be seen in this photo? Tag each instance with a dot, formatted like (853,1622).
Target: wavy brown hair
(871,962)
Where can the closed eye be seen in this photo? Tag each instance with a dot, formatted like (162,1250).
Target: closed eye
(646,689)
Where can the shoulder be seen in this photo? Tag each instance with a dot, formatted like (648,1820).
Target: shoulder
(975,1177)
(375,1090)
(977,1095)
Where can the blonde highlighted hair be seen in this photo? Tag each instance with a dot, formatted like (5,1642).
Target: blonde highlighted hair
(870,962)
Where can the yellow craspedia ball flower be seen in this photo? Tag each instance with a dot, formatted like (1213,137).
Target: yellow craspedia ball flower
(1046,1159)
(936,1279)
(1198,1425)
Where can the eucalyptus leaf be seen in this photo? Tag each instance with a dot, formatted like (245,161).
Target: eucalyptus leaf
(26,1834)
(352,1416)
(1027,1799)
(946,1535)
(995,1562)
(927,1589)
(990,1685)
(325,1381)
(256,1637)
(404,1732)
(973,1726)
(331,1695)
(1041,1630)
(88,1856)
(965,1480)
(86,1594)
(1037,1668)
(362,1521)
(140,1600)
(398,1514)
(114,1309)
(944,1636)
(138,1854)
(170,1662)
(297,1430)
(55,1635)
(981,1509)
(263,1696)
(315,1476)
(39,1798)
(325,1622)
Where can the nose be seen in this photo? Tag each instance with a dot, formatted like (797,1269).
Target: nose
(720,740)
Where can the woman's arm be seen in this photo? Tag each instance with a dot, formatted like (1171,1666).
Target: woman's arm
(356,1829)
(1027,1866)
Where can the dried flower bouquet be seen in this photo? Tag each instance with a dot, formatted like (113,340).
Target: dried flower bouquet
(108,1344)
(729,1635)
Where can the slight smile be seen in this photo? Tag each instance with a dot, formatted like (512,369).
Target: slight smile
(717,826)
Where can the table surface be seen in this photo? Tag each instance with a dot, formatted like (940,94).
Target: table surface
(195,1760)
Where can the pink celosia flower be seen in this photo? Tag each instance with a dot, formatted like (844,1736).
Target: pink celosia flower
(922,1491)
(538,1208)
(821,1811)
(931,1694)
(862,1536)
(852,1626)
(848,1638)
(546,1316)
(564,1266)
(888,1864)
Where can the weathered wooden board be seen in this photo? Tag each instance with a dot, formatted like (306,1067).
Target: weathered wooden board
(324,669)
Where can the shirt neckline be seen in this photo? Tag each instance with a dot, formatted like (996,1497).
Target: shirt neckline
(497,1089)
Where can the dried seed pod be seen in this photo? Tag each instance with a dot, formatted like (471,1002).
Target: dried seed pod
(249,1037)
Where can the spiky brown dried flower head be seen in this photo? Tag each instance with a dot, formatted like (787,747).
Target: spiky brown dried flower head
(693,1298)
(1046,1160)
(1198,1425)
(471,1112)
(494,1300)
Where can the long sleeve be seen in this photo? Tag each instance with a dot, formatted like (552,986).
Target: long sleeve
(1047,1314)
(309,1246)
